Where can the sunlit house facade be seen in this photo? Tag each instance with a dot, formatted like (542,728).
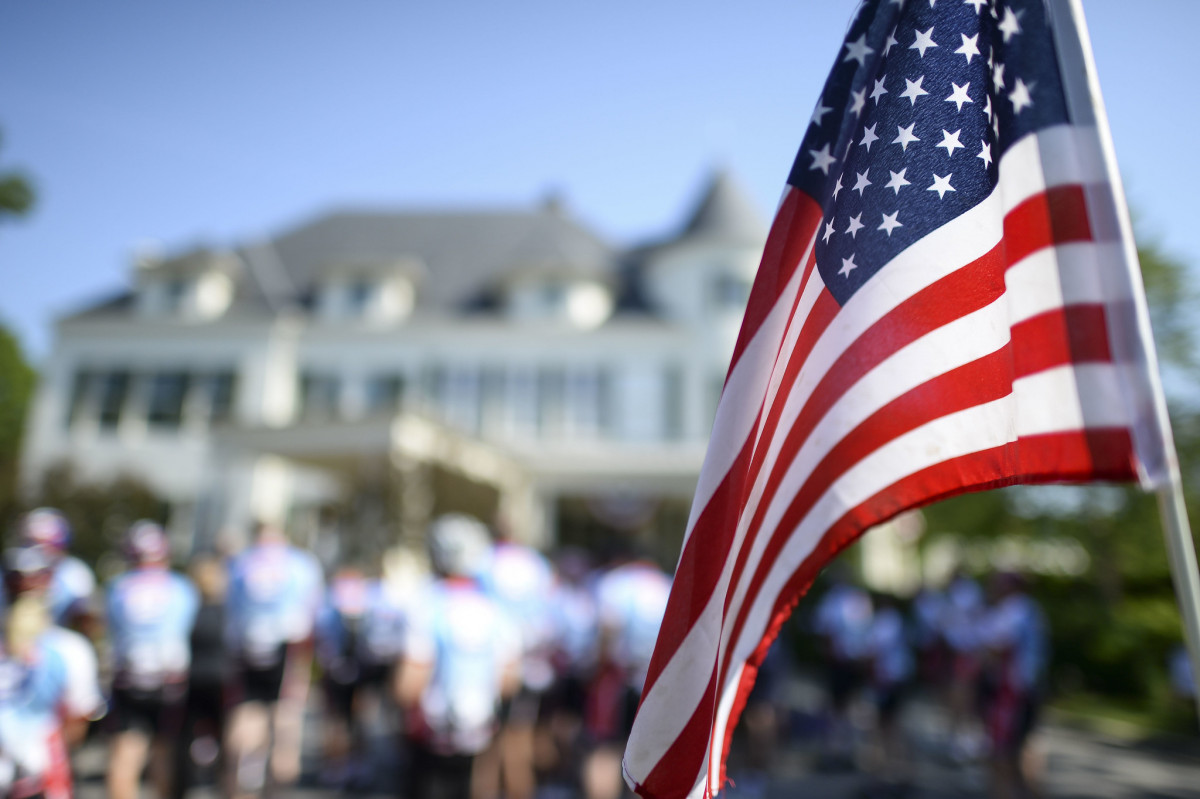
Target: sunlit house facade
(434,356)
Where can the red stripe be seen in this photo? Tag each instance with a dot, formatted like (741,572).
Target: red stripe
(792,232)
(1056,215)
(1077,334)
(1102,454)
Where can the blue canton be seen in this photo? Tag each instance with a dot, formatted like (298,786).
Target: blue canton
(924,99)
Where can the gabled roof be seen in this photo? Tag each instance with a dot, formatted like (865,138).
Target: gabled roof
(726,213)
(462,253)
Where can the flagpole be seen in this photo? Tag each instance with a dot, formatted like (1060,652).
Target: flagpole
(1166,479)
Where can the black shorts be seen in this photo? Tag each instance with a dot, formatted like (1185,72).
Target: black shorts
(153,712)
(262,683)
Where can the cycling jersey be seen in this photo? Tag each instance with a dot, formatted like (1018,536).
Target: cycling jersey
(274,593)
(150,615)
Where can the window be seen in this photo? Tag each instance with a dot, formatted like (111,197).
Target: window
(551,399)
(81,386)
(731,292)
(167,393)
(385,393)
(221,389)
(358,297)
(583,401)
(673,402)
(462,398)
(319,395)
(113,390)
(174,293)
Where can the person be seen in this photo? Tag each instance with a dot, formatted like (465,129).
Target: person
(843,624)
(521,580)
(199,746)
(1014,643)
(631,600)
(72,582)
(275,590)
(357,639)
(33,683)
(891,669)
(28,571)
(963,612)
(151,611)
(462,658)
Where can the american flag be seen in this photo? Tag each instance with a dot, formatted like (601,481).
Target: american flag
(945,304)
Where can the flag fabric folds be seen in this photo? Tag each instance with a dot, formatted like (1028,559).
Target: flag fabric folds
(944,304)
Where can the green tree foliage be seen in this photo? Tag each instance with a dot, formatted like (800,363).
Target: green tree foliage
(16,194)
(16,387)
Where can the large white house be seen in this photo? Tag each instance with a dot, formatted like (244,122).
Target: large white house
(504,360)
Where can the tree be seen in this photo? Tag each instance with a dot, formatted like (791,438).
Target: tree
(16,387)
(16,194)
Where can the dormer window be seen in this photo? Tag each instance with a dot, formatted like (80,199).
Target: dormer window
(581,303)
(378,297)
(730,292)
(196,287)
(358,298)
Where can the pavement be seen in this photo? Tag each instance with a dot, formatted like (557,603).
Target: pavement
(1076,763)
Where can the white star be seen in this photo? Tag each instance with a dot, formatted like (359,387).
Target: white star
(923,42)
(913,90)
(996,126)
(890,223)
(1010,25)
(838,187)
(1020,96)
(959,95)
(822,160)
(970,46)
(898,182)
(862,182)
(828,231)
(998,76)
(848,266)
(818,112)
(868,137)
(976,3)
(878,91)
(854,226)
(985,153)
(860,97)
(890,43)
(905,137)
(941,185)
(950,141)
(987,106)
(858,50)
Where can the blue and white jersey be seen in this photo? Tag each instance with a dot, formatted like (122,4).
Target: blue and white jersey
(359,619)
(470,642)
(150,616)
(71,584)
(1015,629)
(844,619)
(631,601)
(30,692)
(962,612)
(890,656)
(275,591)
(576,622)
(521,580)
(81,697)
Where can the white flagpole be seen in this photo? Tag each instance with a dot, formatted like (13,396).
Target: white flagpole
(1082,87)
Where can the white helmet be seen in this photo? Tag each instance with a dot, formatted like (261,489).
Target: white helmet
(458,544)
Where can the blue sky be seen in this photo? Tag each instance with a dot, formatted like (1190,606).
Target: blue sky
(221,121)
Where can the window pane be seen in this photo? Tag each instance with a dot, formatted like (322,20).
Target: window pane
(222,388)
(319,394)
(80,386)
(385,393)
(114,387)
(167,392)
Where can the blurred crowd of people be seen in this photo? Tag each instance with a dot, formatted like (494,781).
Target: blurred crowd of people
(979,652)
(492,671)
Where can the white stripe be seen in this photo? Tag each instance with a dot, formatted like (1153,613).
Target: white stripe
(1055,277)
(717,741)
(1070,398)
